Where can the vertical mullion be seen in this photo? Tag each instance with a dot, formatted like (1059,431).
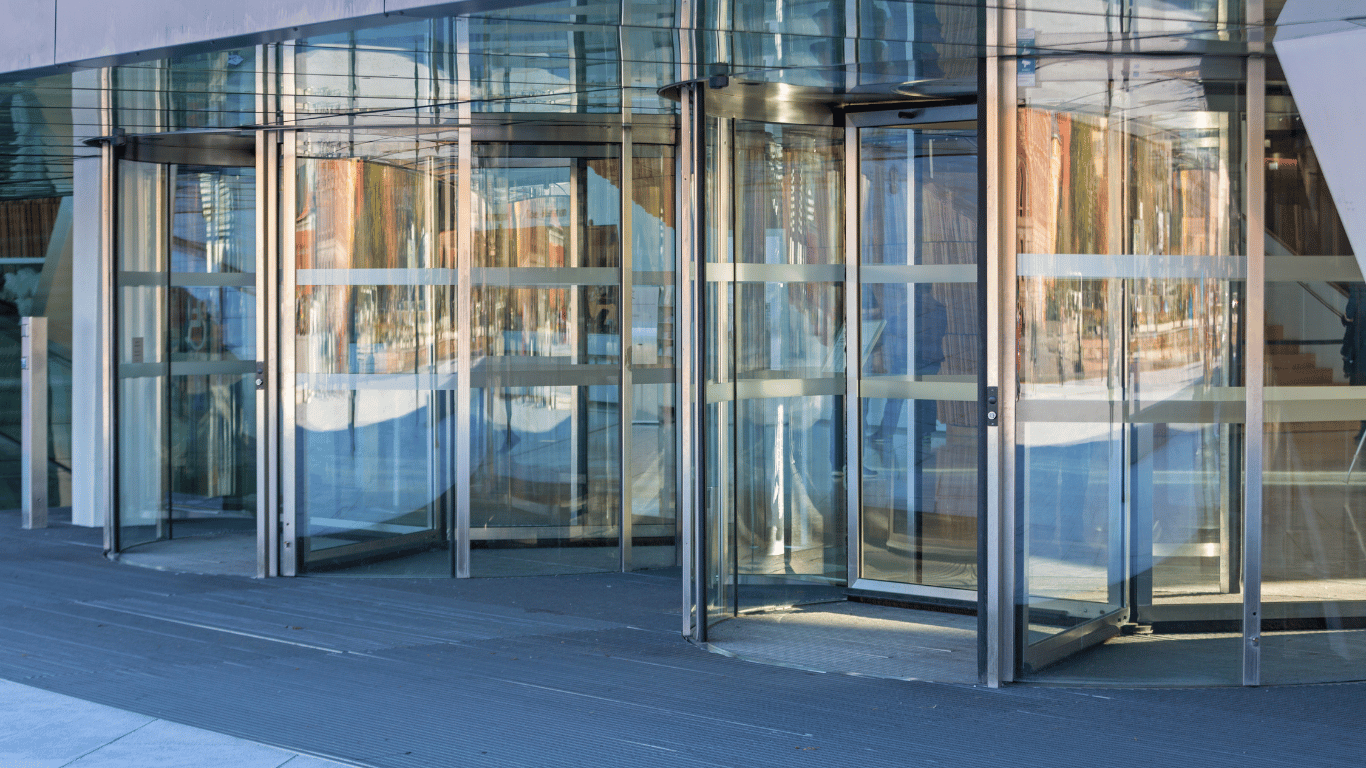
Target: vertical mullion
(289,554)
(697,278)
(165,232)
(263,348)
(685,474)
(1003,575)
(853,362)
(107,485)
(464,225)
(1254,355)
(626,314)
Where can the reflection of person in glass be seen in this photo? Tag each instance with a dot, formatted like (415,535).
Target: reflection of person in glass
(1354,340)
(931,325)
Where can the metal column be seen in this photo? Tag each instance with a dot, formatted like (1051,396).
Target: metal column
(33,348)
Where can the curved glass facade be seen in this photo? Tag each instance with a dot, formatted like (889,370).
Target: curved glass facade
(1043,314)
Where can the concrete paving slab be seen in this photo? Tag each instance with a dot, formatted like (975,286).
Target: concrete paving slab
(48,730)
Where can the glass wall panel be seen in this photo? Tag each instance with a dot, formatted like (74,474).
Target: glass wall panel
(1128,458)
(216,89)
(1314,487)
(187,351)
(1134,25)
(652,461)
(212,351)
(545,477)
(374,355)
(776,362)
(919,370)
(143,368)
(377,75)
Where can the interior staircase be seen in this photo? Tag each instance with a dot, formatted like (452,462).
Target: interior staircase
(1289,365)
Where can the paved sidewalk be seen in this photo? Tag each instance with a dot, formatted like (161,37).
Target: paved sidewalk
(581,671)
(48,730)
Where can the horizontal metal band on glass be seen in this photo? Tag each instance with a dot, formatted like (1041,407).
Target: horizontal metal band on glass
(760,389)
(653,376)
(900,387)
(1098,266)
(511,277)
(515,532)
(916,590)
(653,277)
(1214,411)
(187,279)
(547,128)
(400,276)
(187,368)
(920,273)
(1289,269)
(500,375)
(315,523)
(345,382)
(775,273)
(22,261)
(1308,404)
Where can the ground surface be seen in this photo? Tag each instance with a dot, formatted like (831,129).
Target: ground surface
(573,670)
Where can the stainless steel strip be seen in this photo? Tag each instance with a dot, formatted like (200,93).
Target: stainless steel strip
(289,533)
(788,273)
(486,375)
(995,596)
(929,273)
(1001,567)
(106,485)
(853,360)
(916,590)
(212,280)
(1086,266)
(214,368)
(264,279)
(437,276)
(1316,268)
(654,375)
(625,311)
(1255,355)
(464,309)
(759,389)
(349,382)
(919,390)
(545,276)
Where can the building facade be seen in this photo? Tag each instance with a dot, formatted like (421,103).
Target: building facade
(1043,311)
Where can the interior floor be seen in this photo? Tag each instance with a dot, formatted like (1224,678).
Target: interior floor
(856,639)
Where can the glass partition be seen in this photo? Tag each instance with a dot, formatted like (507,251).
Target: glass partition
(919,355)
(374,354)
(545,481)
(186,292)
(378,340)
(775,387)
(1129,339)
(1314,489)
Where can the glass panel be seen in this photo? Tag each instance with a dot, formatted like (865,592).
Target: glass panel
(652,464)
(920,368)
(212,349)
(374,356)
(216,89)
(143,365)
(1129,346)
(545,477)
(1314,476)
(775,355)
(1137,25)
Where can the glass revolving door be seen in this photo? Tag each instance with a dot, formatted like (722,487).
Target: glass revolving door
(186,295)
